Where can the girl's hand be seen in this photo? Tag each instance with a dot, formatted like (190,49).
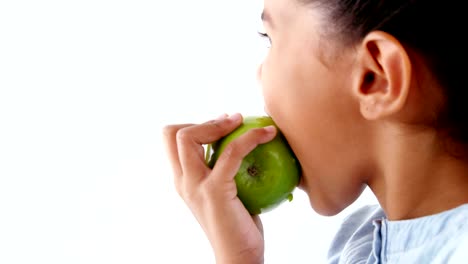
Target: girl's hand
(211,194)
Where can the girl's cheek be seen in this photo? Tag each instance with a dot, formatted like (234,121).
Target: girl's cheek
(259,73)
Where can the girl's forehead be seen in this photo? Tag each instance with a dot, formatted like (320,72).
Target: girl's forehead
(281,7)
(278,13)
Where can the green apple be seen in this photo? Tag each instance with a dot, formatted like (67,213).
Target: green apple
(268,175)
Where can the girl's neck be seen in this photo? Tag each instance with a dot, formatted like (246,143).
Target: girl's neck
(417,177)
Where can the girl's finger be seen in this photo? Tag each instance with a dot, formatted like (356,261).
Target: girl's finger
(170,142)
(190,142)
(230,160)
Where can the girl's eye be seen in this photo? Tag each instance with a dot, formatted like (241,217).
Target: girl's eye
(265,35)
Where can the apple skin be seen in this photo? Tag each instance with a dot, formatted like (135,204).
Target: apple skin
(268,175)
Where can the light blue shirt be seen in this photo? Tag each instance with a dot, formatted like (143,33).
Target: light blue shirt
(366,237)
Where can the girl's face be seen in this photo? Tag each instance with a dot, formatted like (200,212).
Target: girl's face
(307,87)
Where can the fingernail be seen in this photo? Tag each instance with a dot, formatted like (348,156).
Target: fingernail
(270,129)
(235,117)
(221,117)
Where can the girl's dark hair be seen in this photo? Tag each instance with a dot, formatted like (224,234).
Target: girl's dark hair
(434,29)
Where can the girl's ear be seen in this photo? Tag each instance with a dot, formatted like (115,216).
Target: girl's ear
(382,79)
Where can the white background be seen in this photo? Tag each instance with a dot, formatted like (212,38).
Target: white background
(85,88)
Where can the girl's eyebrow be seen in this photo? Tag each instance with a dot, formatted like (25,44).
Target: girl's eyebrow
(266,18)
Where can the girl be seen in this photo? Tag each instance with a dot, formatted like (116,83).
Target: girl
(368,93)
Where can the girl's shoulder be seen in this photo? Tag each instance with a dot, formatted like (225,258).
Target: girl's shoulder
(366,236)
(437,238)
(354,239)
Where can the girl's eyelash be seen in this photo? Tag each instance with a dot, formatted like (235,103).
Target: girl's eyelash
(263,35)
